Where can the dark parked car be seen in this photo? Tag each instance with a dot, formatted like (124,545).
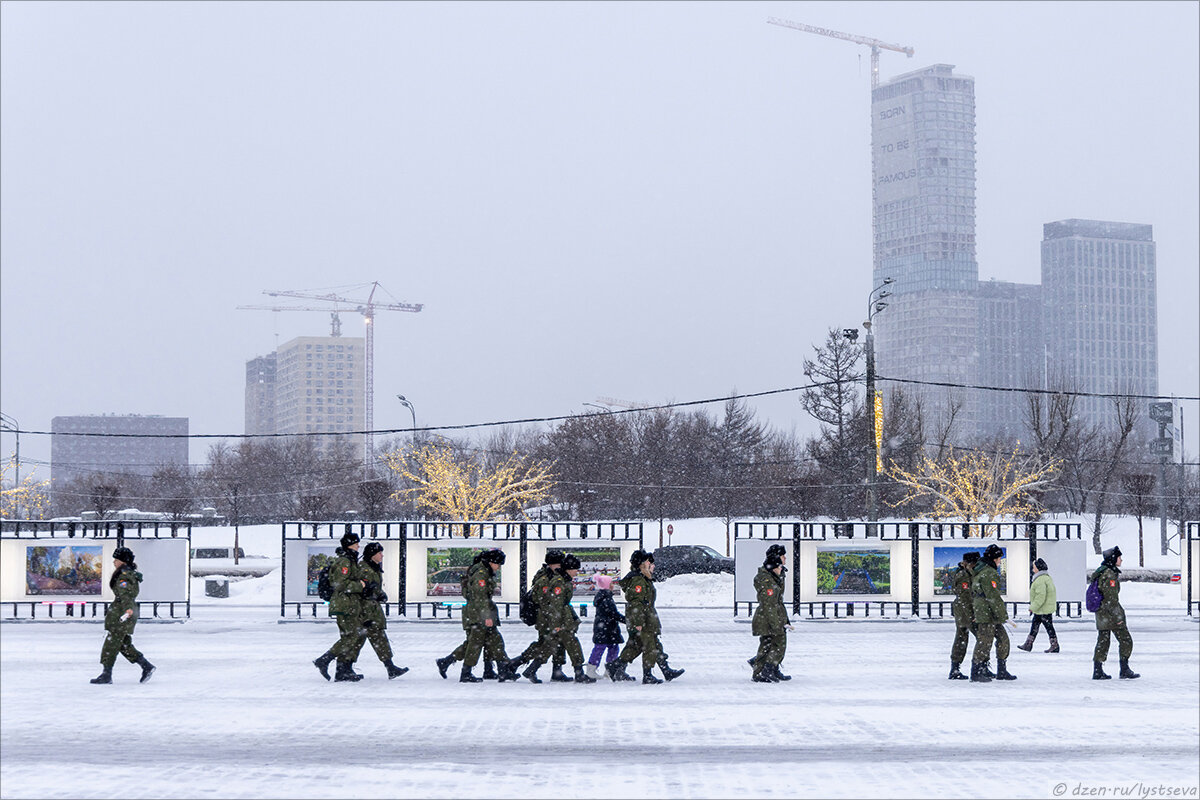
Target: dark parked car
(682,559)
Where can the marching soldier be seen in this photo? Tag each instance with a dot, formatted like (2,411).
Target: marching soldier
(770,622)
(374,620)
(1110,618)
(563,638)
(538,589)
(348,581)
(990,616)
(481,618)
(121,618)
(642,621)
(964,613)
(774,550)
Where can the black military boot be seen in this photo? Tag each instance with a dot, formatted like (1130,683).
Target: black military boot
(760,676)
(987,670)
(616,671)
(1098,673)
(147,669)
(394,671)
(489,670)
(1053,648)
(581,677)
(444,663)
(531,672)
(1126,672)
(345,672)
(778,675)
(322,663)
(978,673)
(668,673)
(1028,646)
(105,676)
(955,673)
(467,677)
(648,676)
(1002,673)
(507,671)
(558,676)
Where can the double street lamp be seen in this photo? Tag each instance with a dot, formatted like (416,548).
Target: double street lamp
(405,402)
(875,304)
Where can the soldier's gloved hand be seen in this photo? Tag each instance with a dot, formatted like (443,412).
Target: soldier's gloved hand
(381,597)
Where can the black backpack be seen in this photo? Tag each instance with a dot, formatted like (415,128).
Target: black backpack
(324,587)
(528,609)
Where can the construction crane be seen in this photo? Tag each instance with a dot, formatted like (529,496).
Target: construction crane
(367,308)
(875,44)
(335,320)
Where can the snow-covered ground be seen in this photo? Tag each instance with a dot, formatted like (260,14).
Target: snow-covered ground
(237,710)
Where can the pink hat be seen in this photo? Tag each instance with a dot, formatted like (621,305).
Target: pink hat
(603,581)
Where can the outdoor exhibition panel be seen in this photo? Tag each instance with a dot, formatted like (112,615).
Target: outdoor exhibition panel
(1189,568)
(424,562)
(62,571)
(901,568)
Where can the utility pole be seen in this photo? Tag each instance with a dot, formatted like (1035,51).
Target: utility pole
(1163,414)
(875,304)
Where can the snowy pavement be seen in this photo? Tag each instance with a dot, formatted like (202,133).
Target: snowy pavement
(237,710)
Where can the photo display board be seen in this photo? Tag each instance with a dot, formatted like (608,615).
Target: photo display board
(748,557)
(304,558)
(78,570)
(938,559)
(436,568)
(599,557)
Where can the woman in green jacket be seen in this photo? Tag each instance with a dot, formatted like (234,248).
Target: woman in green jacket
(1110,618)
(1043,601)
(121,618)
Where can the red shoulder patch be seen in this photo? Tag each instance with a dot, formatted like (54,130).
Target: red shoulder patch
(545,589)
(964,586)
(1112,583)
(345,570)
(637,589)
(770,592)
(481,582)
(558,590)
(994,585)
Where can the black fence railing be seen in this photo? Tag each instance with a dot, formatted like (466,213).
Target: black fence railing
(1191,534)
(162,610)
(98,529)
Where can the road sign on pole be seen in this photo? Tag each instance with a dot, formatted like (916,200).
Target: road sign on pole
(1162,412)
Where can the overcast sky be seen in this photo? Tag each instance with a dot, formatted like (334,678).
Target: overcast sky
(644,201)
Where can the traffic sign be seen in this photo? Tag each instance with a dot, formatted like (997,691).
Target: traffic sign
(1162,412)
(1161,447)
(670,529)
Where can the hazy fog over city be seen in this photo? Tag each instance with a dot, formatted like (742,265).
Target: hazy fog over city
(644,201)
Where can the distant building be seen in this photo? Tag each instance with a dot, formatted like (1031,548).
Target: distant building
(260,394)
(1011,353)
(74,456)
(923,168)
(313,384)
(1100,310)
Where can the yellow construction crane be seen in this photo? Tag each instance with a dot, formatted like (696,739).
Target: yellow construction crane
(875,44)
(367,308)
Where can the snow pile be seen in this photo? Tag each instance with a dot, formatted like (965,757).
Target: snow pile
(695,591)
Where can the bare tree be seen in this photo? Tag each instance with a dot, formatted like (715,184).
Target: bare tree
(1114,442)
(104,498)
(1138,487)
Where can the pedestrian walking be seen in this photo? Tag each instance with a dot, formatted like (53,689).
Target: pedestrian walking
(990,616)
(1043,601)
(770,622)
(563,623)
(642,623)
(481,618)
(346,607)
(1110,618)
(121,618)
(373,618)
(538,589)
(964,613)
(606,627)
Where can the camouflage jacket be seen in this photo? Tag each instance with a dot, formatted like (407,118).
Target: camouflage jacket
(988,604)
(553,611)
(372,609)
(639,603)
(480,607)
(125,584)
(345,575)
(771,617)
(964,597)
(1110,616)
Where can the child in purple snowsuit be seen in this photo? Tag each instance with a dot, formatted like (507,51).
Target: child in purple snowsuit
(606,630)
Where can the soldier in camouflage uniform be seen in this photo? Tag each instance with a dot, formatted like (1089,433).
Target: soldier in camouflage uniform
(642,621)
(373,619)
(990,616)
(481,618)
(121,618)
(964,613)
(538,589)
(770,622)
(1110,617)
(563,622)
(346,607)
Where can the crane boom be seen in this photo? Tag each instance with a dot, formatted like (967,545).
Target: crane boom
(875,44)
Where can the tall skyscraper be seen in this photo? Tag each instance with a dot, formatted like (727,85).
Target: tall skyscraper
(1100,310)
(260,394)
(923,167)
(317,386)
(74,457)
(1011,349)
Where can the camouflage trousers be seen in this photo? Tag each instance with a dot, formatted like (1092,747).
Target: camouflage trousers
(641,643)
(119,641)
(962,638)
(983,642)
(771,649)
(377,636)
(557,647)
(1104,638)
(482,639)
(535,648)
(353,635)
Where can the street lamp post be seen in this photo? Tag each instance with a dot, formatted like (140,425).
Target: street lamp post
(9,424)
(875,304)
(405,402)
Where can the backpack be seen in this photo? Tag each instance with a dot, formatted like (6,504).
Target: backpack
(528,609)
(324,587)
(1093,598)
